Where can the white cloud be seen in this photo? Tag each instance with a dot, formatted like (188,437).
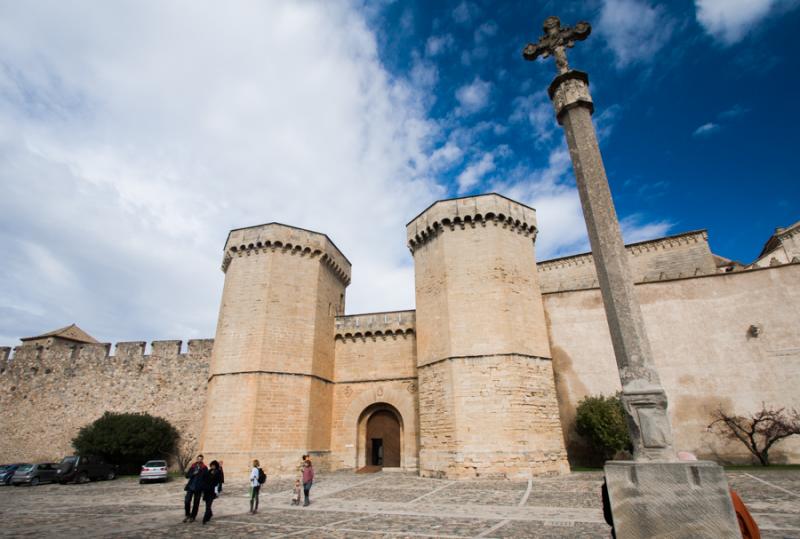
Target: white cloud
(706,130)
(634,30)
(474,173)
(728,21)
(474,96)
(446,156)
(551,191)
(424,76)
(465,12)
(437,45)
(537,110)
(635,228)
(485,31)
(733,112)
(134,135)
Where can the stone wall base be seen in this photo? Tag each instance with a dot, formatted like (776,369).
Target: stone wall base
(670,500)
(492,464)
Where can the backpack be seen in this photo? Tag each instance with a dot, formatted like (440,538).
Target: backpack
(262,477)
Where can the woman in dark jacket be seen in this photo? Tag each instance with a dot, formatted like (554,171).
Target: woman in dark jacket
(209,480)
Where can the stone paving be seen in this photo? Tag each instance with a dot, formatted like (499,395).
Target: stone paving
(391,505)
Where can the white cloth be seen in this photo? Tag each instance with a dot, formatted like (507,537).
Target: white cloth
(254,477)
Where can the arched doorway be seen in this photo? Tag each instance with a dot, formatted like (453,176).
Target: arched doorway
(381,436)
(383,439)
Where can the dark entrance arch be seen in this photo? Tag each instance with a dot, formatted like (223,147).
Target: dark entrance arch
(381,436)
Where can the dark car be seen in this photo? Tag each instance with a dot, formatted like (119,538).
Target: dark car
(33,474)
(7,472)
(81,469)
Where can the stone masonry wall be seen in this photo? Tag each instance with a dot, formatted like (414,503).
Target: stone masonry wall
(682,255)
(704,351)
(487,398)
(468,404)
(48,393)
(376,364)
(270,393)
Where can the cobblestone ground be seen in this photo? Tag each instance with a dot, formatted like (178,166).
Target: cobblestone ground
(369,506)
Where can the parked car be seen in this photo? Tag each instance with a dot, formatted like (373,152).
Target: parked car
(7,472)
(33,474)
(80,469)
(153,470)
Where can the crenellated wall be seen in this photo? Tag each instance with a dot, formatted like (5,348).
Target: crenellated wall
(681,255)
(487,397)
(483,378)
(48,392)
(270,391)
(703,347)
(376,364)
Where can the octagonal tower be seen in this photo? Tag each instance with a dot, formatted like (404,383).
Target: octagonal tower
(487,397)
(270,379)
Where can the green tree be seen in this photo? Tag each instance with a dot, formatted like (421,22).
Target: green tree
(127,440)
(601,421)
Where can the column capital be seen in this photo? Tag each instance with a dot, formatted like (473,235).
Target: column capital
(569,90)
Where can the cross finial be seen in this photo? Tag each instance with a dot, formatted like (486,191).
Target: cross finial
(555,38)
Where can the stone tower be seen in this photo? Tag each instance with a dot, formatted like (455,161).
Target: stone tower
(270,379)
(487,397)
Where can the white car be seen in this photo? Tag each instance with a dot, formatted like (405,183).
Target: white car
(154,470)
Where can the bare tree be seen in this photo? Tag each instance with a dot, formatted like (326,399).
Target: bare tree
(758,431)
(184,453)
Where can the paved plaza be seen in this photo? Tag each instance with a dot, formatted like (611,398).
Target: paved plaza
(369,506)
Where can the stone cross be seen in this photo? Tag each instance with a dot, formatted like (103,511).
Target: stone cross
(654,495)
(643,397)
(555,39)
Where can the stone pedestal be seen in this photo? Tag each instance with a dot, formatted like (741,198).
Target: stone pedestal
(670,500)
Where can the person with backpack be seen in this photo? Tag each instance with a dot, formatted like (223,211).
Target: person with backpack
(257,478)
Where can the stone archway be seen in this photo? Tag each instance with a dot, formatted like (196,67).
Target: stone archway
(380,436)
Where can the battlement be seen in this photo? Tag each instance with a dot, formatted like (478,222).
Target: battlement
(470,211)
(680,255)
(29,357)
(373,325)
(277,237)
(52,387)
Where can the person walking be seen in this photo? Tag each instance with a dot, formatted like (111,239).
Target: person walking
(221,478)
(308,480)
(209,481)
(191,503)
(257,478)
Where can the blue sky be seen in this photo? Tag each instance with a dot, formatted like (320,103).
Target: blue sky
(694,106)
(135,134)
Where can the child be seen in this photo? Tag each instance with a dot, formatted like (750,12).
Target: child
(296,495)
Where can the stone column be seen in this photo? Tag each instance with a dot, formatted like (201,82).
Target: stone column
(654,495)
(644,398)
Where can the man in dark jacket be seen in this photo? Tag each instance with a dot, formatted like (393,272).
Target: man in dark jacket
(193,489)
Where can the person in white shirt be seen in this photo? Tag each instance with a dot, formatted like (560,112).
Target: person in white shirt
(255,486)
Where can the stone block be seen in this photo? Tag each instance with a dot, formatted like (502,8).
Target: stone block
(670,500)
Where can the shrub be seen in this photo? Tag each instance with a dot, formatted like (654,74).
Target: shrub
(601,421)
(127,440)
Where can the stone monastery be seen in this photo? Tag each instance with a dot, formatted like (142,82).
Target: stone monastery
(481,380)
